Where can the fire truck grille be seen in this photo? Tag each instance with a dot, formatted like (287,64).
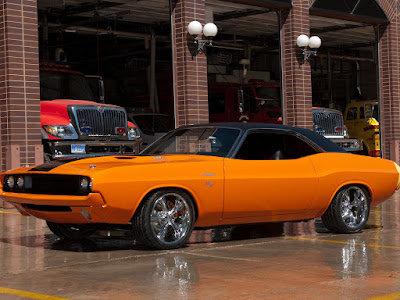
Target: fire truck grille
(93,121)
(328,123)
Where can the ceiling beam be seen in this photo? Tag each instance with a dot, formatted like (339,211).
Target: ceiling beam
(82,8)
(239,14)
(336,28)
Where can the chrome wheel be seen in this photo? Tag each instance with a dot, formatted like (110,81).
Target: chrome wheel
(170,218)
(165,219)
(348,211)
(353,207)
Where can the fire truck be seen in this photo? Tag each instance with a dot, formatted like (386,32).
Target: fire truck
(73,124)
(260,101)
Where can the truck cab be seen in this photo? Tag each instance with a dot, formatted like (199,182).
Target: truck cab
(362,121)
(252,102)
(73,124)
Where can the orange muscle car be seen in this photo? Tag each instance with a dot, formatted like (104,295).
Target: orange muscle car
(203,176)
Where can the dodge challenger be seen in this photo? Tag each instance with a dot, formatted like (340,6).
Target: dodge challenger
(203,176)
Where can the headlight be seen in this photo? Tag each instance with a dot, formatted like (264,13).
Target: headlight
(133,133)
(10,182)
(61,131)
(85,185)
(20,182)
(345,132)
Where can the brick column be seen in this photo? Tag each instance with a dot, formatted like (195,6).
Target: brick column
(190,68)
(19,83)
(389,82)
(296,75)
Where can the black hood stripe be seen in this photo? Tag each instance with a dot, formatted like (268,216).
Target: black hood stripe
(53,164)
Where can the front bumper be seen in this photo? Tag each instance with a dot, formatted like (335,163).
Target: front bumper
(67,209)
(77,148)
(348,144)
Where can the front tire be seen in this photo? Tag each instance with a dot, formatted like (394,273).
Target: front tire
(165,220)
(71,231)
(348,211)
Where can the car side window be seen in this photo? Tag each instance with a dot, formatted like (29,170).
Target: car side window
(261,145)
(352,113)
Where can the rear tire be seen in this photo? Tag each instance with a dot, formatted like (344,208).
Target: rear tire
(71,231)
(165,220)
(348,211)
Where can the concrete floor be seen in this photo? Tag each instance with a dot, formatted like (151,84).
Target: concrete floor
(248,262)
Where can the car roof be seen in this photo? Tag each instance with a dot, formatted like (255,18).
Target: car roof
(317,138)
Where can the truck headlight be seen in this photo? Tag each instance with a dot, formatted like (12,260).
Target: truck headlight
(61,131)
(133,133)
(345,132)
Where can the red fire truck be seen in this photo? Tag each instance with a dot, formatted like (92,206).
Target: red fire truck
(73,124)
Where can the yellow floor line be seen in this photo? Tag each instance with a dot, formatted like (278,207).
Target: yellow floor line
(386,212)
(340,242)
(386,297)
(28,294)
(9,212)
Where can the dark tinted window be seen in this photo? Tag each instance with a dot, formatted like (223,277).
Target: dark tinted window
(250,102)
(150,124)
(64,85)
(216,102)
(268,145)
(362,115)
(352,113)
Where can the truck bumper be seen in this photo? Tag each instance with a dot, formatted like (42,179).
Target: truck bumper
(74,148)
(348,144)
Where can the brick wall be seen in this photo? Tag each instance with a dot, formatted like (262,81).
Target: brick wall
(296,77)
(389,81)
(19,84)
(190,68)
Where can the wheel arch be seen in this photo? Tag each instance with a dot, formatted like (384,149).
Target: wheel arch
(153,190)
(365,185)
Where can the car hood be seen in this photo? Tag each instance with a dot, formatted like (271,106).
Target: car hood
(90,166)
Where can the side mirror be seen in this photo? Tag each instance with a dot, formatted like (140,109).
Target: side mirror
(96,85)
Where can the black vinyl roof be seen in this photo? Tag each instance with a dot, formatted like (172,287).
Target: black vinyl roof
(324,143)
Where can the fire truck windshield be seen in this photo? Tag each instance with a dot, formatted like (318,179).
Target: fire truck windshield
(64,85)
(271,95)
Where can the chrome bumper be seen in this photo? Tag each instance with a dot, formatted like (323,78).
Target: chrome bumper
(348,144)
(76,148)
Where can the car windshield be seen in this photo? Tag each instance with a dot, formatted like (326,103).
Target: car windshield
(212,141)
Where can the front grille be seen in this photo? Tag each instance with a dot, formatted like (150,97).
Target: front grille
(47,184)
(328,122)
(99,120)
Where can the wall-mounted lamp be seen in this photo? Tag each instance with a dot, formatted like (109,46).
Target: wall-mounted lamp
(313,43)
(209,30)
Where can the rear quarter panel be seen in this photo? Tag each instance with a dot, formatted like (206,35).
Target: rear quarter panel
(336,170)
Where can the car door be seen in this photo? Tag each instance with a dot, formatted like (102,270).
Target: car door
(271,176)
